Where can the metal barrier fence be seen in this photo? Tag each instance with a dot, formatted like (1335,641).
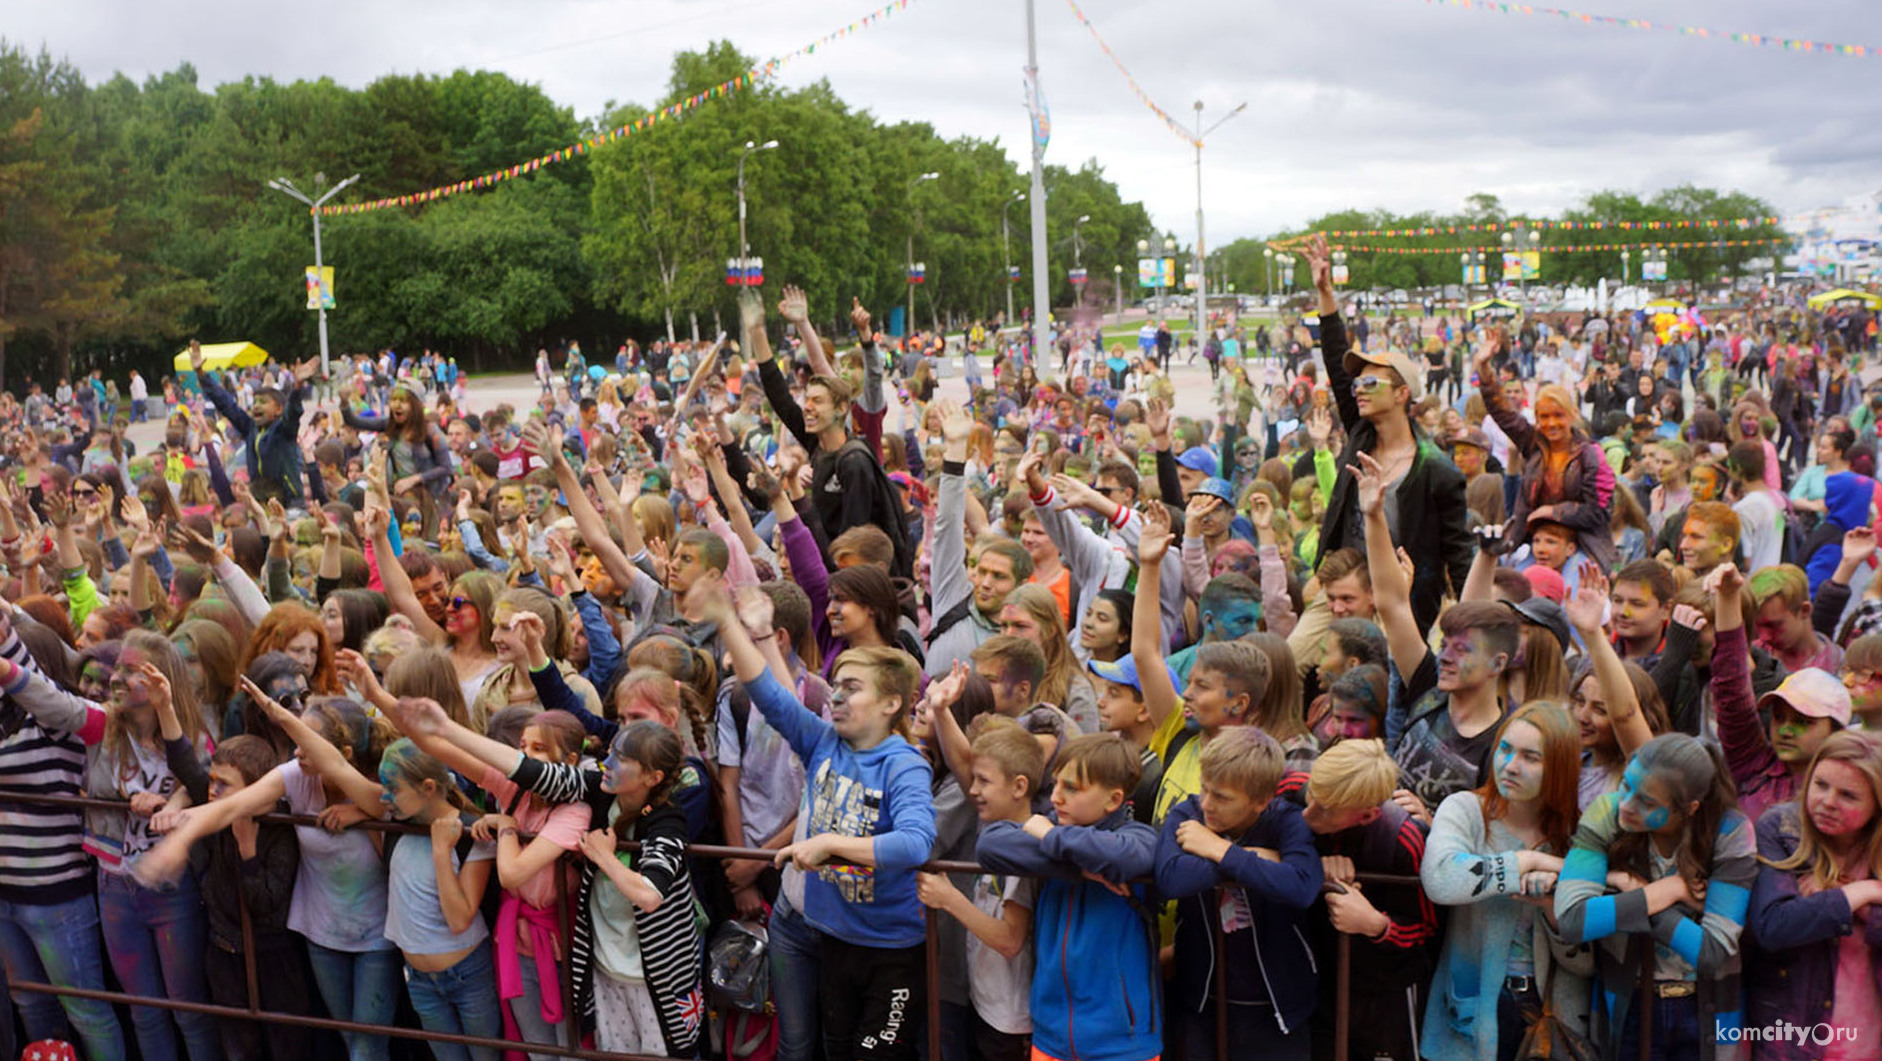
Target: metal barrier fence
(572,1019)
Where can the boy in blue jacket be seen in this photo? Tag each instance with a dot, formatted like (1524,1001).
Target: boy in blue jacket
(867,819)
(1096,984)
(1238,854)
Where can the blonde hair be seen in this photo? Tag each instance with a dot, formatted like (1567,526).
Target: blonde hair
(1245,759)
(1061,666)
(1006,744)
(1353,775)
(1862,750)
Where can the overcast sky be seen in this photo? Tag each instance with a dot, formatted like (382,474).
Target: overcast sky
(1400,104)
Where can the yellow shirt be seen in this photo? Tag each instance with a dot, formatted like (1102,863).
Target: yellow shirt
(1182,776)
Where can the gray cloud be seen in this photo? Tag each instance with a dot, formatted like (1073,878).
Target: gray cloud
(1352,103)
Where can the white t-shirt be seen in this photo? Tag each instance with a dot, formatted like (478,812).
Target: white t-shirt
(1000,986)
(415,912)
(340,888)
(1760,529)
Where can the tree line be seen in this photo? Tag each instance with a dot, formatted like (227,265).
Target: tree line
(134,216)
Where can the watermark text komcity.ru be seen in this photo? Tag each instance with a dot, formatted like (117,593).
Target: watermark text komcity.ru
(1784,1031)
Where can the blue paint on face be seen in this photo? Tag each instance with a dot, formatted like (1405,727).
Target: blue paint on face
(1234,620)
(1651,813)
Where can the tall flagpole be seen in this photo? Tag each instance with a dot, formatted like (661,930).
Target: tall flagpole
(1035,103)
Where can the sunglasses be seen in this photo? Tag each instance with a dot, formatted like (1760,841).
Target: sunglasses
(455,603)
(88,492)
(1366,384)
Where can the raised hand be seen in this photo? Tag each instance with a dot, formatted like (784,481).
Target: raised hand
(1261,513)
(146,543)
(1073,493)
(1688,616)
(199,548)
(1319,262)
(463,505)
(1369,477)
(1157,418)
(1725,578)
(763,482)
(1199,506)
(859,319)
(1320,426)
(196,357)
(1156,538)
(1859,545)
(756,611)
(694,483)
(945,690)
(794,307)
(418,716)
(1589,604)
(273,708)
(751,309)
(956,424)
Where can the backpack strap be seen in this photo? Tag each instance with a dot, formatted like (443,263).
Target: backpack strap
(949,619)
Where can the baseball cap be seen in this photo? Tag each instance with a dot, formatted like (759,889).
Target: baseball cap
(1198,459)
(1546,582)
(1215,487)
(1549,615)
(1123,671)
(1398,361)
(1471,436)
(1813,692)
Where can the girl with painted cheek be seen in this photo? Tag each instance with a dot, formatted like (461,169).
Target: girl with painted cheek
(1820,944)
(1668,856)
(1494,855)
(433,911)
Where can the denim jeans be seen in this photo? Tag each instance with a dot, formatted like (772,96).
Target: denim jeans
(796,963)
(156,941)
(527,1012)
(58,944)
(461,1000)
(362,987)
(1676,1030)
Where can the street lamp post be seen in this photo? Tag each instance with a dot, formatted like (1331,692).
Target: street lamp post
(286,187)
(908,326)
(744,246)
(1006,255)
(1463,261)
(1624,257)
(1267,259)
(1078,246)
(1202,247)
(1117,281)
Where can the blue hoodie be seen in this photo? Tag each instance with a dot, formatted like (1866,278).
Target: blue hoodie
(1846,499)
(1269,958)
(1096,984)
(883,792)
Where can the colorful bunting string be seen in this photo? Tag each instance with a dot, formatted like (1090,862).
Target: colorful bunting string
(1860,51)
(1742,223)
(1551,248)
(1142,96)
(665,114)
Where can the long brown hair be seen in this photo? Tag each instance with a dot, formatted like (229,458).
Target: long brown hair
(155,648)
(1862,750)
(1279,710)
(1061,666)
(1696,772)
(1558,810)
(285,622)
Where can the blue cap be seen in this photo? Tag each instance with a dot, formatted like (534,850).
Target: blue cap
(1215,487)
(1123,671)
(1198,459)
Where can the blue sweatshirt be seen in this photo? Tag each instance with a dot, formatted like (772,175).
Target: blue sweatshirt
(1268,957)
(1096,986)
(883,792)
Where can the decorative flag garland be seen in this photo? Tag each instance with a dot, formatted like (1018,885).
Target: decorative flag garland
(1551,248)
(1143,97)
(1861,51)
(665,114)
(1742,223)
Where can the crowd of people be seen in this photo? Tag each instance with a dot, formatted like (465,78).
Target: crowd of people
(1571,620)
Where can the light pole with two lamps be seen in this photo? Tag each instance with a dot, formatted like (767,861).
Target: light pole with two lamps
(1202,247)
(908,327)
(286,187)
(744,245)
(1006,255)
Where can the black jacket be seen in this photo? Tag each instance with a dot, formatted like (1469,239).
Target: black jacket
(1433,524)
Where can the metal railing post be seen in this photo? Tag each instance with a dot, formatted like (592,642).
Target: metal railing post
(248,955)
(565,923)
(1343,998)
(1221,975)
(931,957)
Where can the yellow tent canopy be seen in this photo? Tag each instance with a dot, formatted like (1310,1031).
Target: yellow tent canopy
(225,355)
(1844,294)
(1493,307)
(1664,305)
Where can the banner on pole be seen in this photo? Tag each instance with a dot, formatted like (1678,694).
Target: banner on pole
(320,287)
